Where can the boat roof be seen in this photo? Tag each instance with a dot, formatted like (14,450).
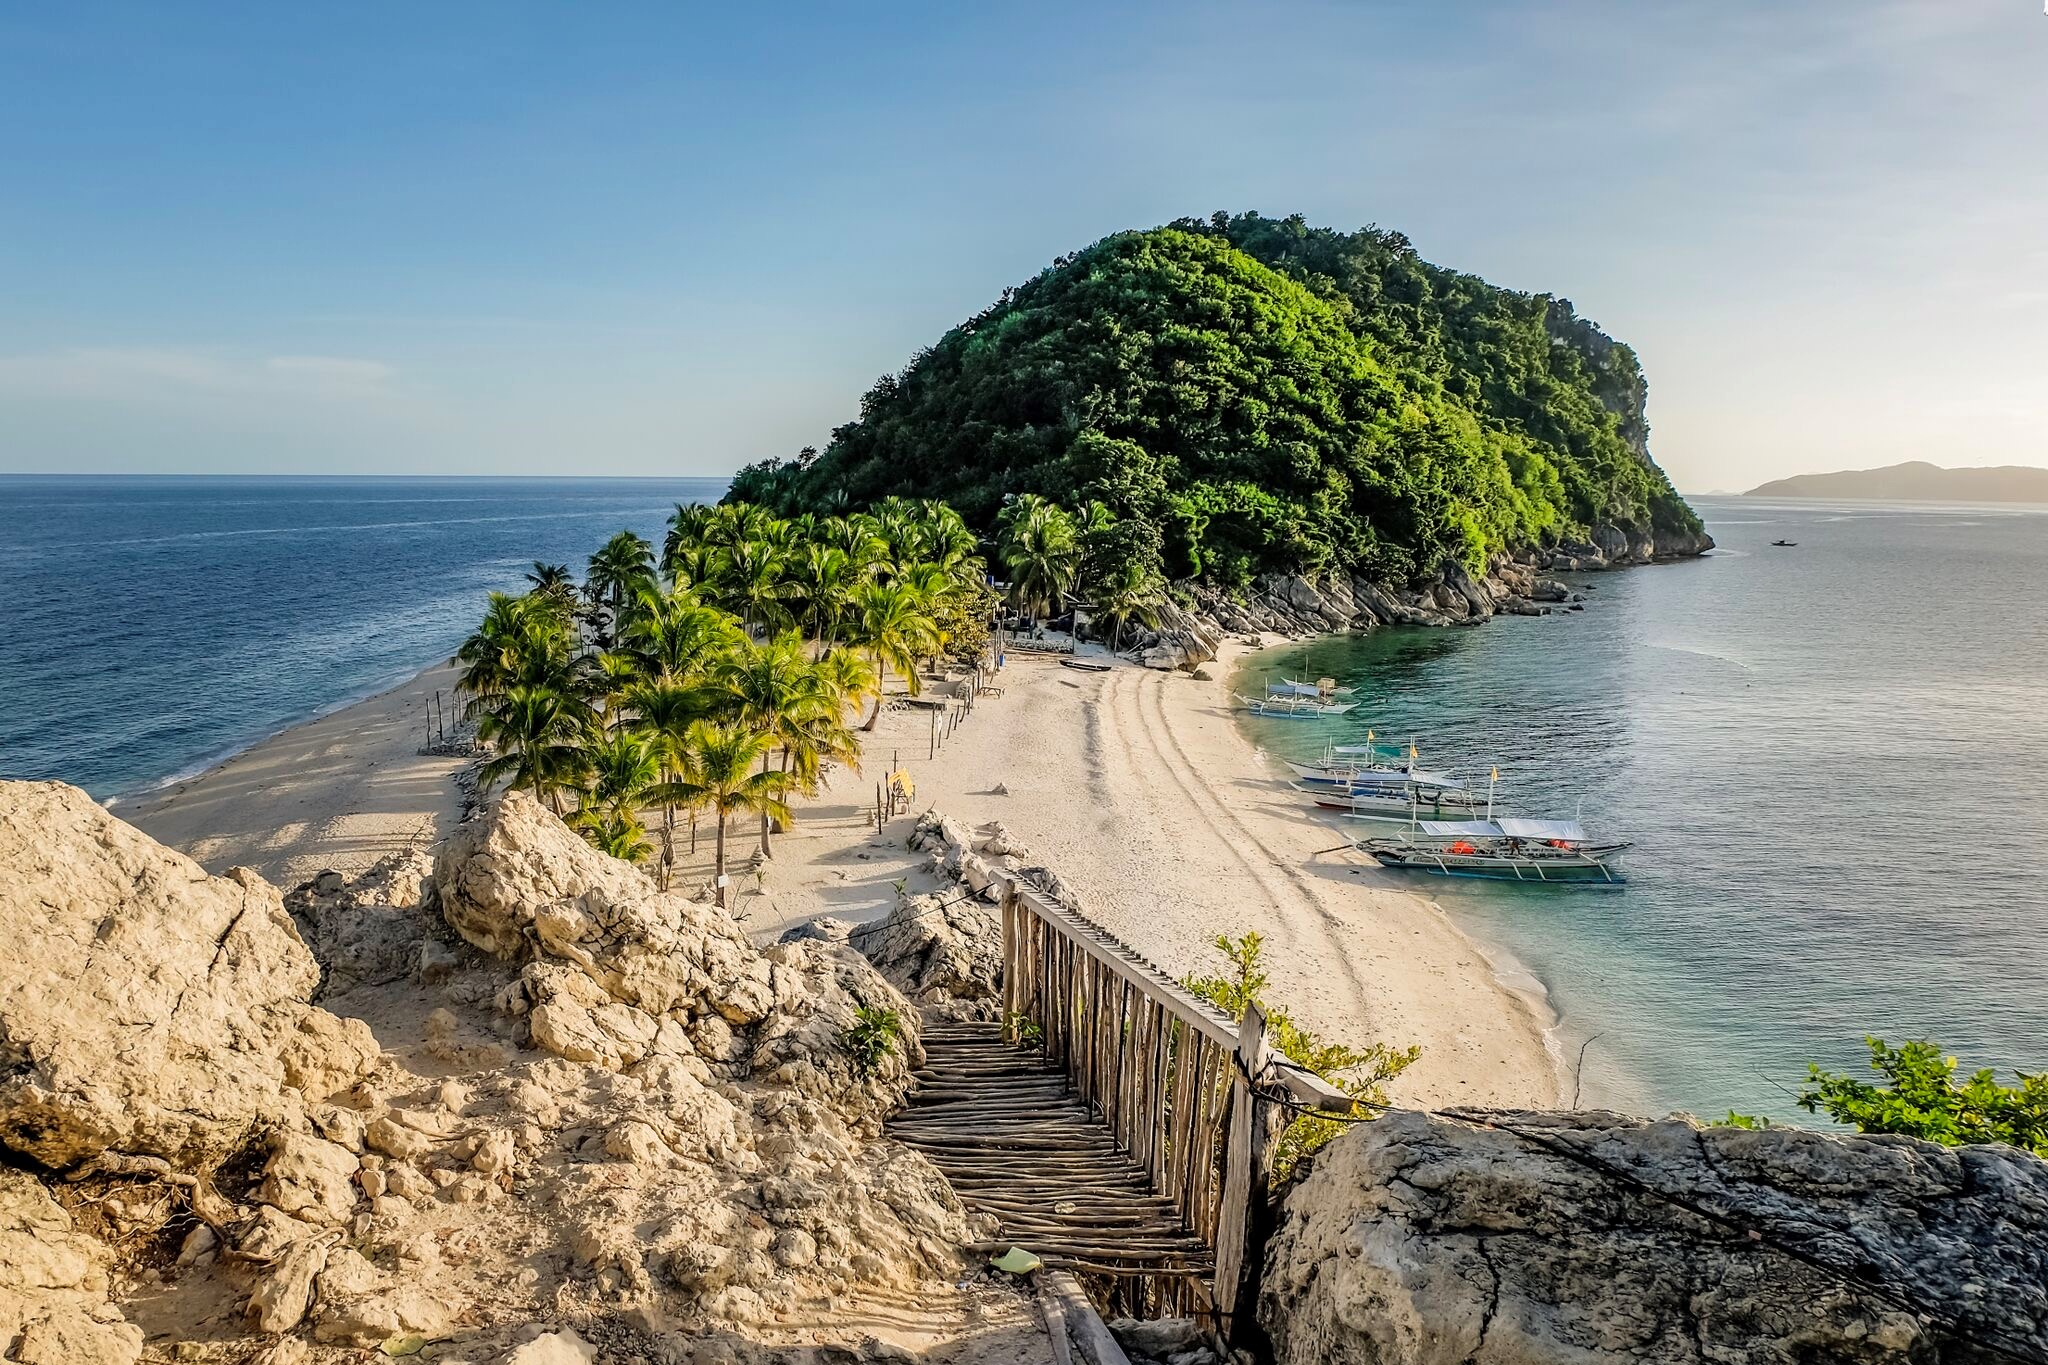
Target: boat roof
(1569,830)
(1471,829)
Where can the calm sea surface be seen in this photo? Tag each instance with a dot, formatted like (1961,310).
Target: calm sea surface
(1833,760)
(156,625)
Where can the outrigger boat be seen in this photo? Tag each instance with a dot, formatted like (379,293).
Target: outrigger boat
(1403,799)
(1548,851)
(1322,687)
(1295,708)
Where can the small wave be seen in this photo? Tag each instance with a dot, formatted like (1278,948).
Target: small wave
(1697,652)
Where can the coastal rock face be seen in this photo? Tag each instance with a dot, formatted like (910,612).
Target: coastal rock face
(1427,1240)
(146,1008)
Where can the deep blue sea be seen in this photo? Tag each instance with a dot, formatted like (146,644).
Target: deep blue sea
(156,625)
(1833,760)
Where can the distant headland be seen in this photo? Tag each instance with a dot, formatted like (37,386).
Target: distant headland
(1916,481)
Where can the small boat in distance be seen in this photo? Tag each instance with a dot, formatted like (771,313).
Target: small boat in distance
(1785,544)
(1546,851)
(1294,708)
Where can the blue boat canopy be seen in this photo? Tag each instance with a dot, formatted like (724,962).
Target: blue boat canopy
(1568,831)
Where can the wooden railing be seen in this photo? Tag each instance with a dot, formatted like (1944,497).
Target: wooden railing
(1192,1097)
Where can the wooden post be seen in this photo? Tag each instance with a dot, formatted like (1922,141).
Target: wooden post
(1011,965)
(933,741)
(1248,1161)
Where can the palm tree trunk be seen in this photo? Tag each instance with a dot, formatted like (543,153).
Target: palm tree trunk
(881,681)
(764,812)
(668,842)
(718,863)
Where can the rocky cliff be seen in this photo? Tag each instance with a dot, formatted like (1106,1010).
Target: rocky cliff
(1596,1239)
(541,1090)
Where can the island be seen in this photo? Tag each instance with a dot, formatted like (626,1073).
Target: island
(1915,481)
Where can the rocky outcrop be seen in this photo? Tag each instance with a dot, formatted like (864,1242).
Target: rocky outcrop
(942,951)
(617,972)
(371,930)
(1600,1239)
(147,1008)
(53,1285)
(692,1144)
(1294,605)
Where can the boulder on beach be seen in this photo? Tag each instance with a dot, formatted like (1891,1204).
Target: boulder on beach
(147,1008)
(1599,1239)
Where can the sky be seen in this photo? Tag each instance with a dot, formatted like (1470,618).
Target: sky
(509,238)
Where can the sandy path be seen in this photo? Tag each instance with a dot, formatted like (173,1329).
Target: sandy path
(337,792)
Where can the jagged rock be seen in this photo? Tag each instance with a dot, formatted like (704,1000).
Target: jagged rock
(945,954)
(310,1178)
(146,1004)
(366,931)
(1425,1240)
(70,1337)
(284,1290)
(1610,541)
(997,842)
(501,868)
(53,1284)
(1549,590)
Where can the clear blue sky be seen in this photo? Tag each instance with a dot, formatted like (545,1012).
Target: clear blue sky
(637,239)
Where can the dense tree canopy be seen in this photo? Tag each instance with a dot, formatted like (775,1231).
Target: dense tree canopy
(1311,399)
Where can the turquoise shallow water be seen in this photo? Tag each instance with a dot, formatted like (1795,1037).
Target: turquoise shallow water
(157,625)
(1833,760)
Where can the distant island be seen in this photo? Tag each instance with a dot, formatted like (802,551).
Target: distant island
(1916,481)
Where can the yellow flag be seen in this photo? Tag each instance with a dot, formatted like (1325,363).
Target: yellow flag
(1496,774)
(1414,752)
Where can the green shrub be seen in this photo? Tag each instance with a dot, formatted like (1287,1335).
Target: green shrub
(871,1037)
(1361,1073)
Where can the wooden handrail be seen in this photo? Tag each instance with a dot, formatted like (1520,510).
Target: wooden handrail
(1195,1099)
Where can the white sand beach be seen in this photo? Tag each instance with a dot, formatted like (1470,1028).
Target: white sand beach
(338,792)
(1135,786)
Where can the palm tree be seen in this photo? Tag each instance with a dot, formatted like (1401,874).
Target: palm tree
(665,709)
(610,674)
(673,636)
(851,679)
(539,732)
(685,532)
(1041,548)
(891,623)
(624,768)
(529,640)
(824,577)
(752,586)
(617,571)
(1130,594)
(723,759)
(775,691)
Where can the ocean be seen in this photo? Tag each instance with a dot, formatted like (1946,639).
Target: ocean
(158,625)
(1832,758)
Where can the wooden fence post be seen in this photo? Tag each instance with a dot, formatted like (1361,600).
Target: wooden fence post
(1247,1180)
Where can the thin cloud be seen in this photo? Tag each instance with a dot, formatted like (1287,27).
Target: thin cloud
(131,373)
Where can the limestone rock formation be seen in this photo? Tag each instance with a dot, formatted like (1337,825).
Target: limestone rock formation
(53,1285)
(146,1007)
(942,951)
(1426,1240)
(368,931)
(617,972)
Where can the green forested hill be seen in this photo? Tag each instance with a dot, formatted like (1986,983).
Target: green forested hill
(1272,397)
